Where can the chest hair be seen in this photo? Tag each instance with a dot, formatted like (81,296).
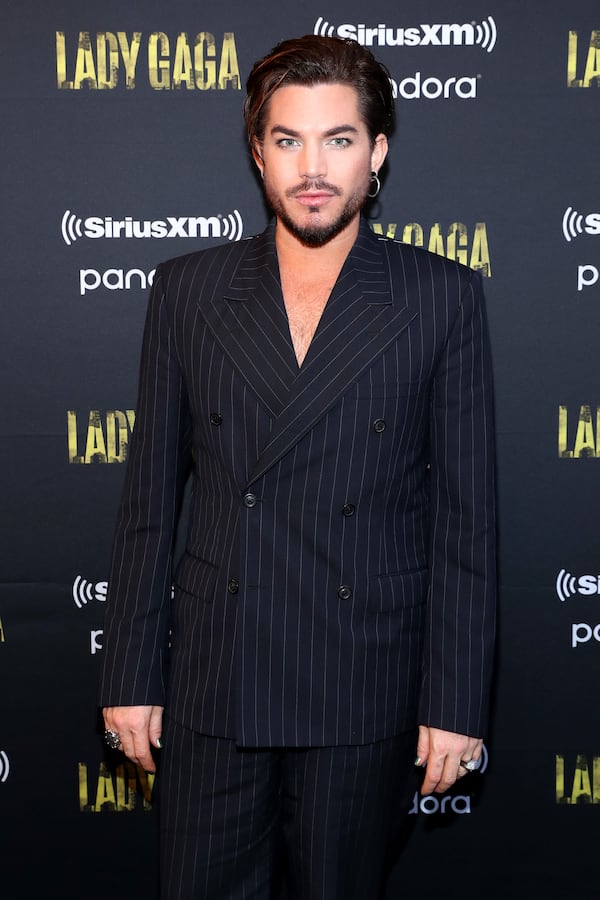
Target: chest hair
(305,301)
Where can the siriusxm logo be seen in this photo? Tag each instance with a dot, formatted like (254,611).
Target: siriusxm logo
(85,591)
(568,585)
(228,226)
(468,34)
(574,223)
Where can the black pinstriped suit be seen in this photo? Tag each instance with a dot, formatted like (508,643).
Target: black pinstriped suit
(338,580)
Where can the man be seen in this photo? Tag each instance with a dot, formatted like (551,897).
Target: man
(330,393)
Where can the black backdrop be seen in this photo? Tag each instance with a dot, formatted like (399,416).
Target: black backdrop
(131,113)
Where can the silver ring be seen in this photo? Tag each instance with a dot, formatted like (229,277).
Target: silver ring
(112,739)
(470,765)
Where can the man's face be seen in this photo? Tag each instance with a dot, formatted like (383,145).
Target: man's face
(316,160)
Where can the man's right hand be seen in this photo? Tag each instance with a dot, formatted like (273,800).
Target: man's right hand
(138,727)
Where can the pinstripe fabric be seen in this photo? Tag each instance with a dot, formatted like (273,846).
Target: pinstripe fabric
(238,824)
(219,819)
(338,579)
(344,809)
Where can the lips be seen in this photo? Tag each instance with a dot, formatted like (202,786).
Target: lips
(313,193)
(313,198)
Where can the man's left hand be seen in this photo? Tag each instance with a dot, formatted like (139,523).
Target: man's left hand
(444,755)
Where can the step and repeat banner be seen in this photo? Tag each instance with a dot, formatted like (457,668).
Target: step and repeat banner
(122,145)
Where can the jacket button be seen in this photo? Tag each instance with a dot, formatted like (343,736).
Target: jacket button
(348,509)
(249,500)
(379,425)
(344,592)
(233,586)
(215,419)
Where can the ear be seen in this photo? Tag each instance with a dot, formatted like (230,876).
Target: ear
(257,157)
(379,152)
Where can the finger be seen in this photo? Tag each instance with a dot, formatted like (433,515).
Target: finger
(142,755)
(436,773)
(422,746)
(433,775)
(442,771)
(155,726)
(109,720)
(450,774)
(136,747)
(112,738)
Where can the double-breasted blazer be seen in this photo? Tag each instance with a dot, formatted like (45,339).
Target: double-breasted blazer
(338,579)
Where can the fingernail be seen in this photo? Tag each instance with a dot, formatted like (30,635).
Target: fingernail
(418,761)
(159,743)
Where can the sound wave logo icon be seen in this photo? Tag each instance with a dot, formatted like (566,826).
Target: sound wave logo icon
(566,585)
(85,591)
(486,34)
(468,34)
(323,28)
(232,226)
(71,227)
(572,223)
(4,766)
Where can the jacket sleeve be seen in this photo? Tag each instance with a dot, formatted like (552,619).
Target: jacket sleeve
(136,632)
(459,639)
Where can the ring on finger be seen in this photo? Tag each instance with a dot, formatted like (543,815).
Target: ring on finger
(112,739)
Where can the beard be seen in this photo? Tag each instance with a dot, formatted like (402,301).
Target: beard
(316,233)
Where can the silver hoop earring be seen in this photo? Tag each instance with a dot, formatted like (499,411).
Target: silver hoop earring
(374,181)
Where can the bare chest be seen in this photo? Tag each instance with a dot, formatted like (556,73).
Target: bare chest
(304,304)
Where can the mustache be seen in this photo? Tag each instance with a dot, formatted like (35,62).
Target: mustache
(313,185)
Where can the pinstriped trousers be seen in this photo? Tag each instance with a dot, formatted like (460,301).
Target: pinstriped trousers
(310,824)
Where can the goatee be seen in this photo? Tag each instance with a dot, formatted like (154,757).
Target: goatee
(315,233)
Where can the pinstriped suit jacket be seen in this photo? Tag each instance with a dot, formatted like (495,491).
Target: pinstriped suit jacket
(338,581)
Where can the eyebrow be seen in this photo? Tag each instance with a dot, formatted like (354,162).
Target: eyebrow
(331,132)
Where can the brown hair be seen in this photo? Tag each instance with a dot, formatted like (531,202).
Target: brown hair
(312,60)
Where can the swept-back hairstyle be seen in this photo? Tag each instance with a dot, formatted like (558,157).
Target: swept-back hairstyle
(312,60)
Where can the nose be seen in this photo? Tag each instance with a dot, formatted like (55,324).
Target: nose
(312,162)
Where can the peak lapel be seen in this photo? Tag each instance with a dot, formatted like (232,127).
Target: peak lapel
(361,319)
(248,320)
